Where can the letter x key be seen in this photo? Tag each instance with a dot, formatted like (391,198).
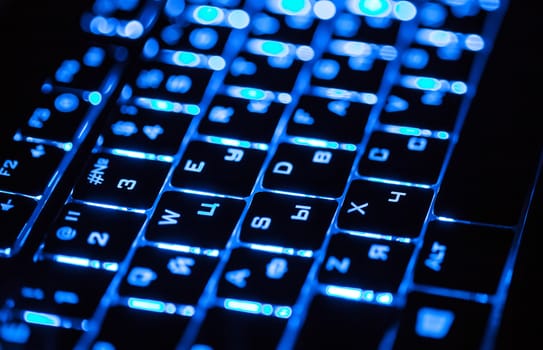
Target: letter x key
(358,208)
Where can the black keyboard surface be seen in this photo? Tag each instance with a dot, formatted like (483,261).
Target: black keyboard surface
(232,174)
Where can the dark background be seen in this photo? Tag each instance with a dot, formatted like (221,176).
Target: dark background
(34,33)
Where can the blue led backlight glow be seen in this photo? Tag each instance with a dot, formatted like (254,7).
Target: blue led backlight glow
(250,93)
(371,8)
(208,14)
(251,307)
(66,102)
(324,9)
(404,10)
(344,292)
(41,318)
(187,59)
(146,304)
(268,47)
(421,83)
(94,98)
(474,42)
(289,7)
(238,19)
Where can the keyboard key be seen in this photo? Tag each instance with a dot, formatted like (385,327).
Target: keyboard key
(241,119)
(487,178)
(223,329)
(308,170)
(338,323)
(404,158)
(122,181)
(288,221)
(55,115)
(257,275)
(421,109)
(323,118)
(126,22)
(274,25)
(262,72)
(145,130)
(435,322)
(369,207)
(87,70)
(146,329)
(452,62)
(28,168)
(173,35)
(60,289)
(365,263)
(463,256)
(350,74)
(216,168)
(17,334)
(15,210)
(194,220)
(173,83)
(93,232)
(379,30)
(167,276)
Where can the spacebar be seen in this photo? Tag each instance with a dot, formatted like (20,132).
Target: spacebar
(494,163)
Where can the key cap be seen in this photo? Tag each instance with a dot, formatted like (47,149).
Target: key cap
(257,71)
(170,82)
(167,276)
(144,130)
(454,17)
(449,62)
(350,73)
(369,207)
(241,119)
(55,115)
(28,168)
(15,210)
(323,118)
(488,177)
(59,289)
(17,334)
(421,109)
(365,263)
(365,28)
(93,232)
(273,24)
(463,256)
(194,220)
(308,170)
(87,69)
(172,35)
(415,159)
(336,322)
(431,322)
(121,181)
(125,22)
(146,329)
(287,221)
(211,167)
(223,329)
(257,275)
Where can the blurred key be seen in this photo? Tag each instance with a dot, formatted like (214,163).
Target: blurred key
(28,168)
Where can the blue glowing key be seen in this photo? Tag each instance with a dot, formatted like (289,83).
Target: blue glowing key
(292,7)
(184,58)
(41,318)
(208,14)
(274,48)
(433,323)
(374,8)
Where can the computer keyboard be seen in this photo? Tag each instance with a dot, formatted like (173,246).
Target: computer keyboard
(282,174)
